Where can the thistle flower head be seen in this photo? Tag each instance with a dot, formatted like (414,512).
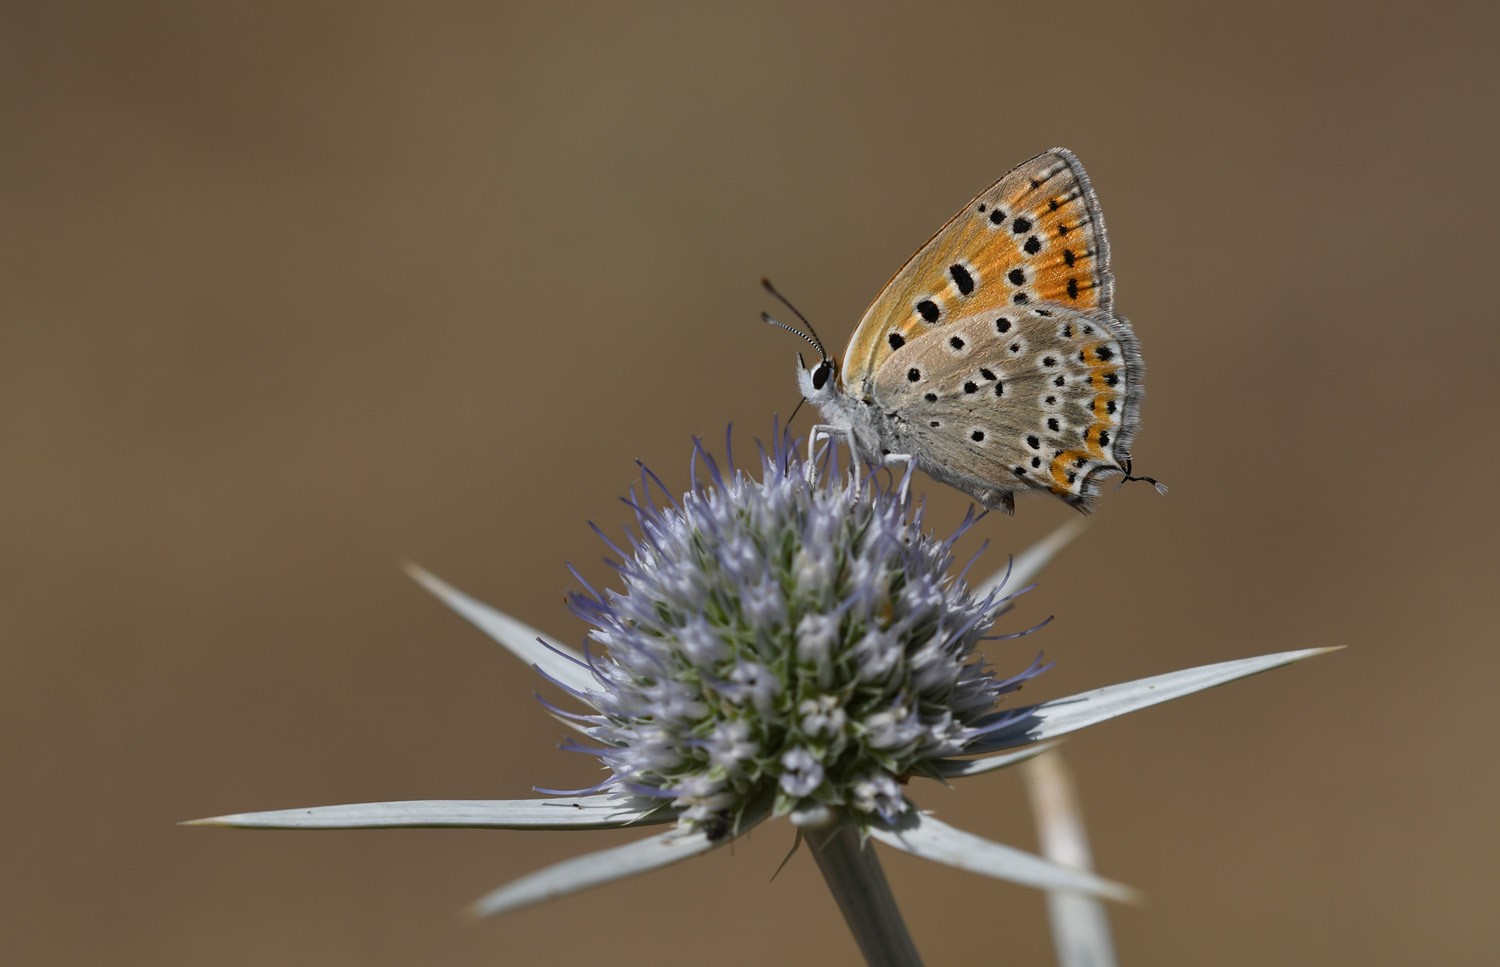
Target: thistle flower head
(794,640)
(792,644)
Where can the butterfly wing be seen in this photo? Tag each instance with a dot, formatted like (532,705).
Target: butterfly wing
(1035,397)
(1036,235)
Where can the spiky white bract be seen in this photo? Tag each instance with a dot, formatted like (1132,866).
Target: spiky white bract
(1080,925)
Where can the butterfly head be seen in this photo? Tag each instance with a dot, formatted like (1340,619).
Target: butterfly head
(818,382)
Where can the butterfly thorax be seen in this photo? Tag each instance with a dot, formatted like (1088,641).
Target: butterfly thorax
(857,414)
(865,422)
(849,410)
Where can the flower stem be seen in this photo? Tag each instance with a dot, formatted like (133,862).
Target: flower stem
(854,876)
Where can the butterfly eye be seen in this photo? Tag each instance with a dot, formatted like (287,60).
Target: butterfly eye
(821,373)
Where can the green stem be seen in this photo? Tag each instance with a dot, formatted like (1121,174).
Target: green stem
(858,884)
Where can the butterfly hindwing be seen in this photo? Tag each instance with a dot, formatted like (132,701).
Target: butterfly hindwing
(1034,236)
(1030,397)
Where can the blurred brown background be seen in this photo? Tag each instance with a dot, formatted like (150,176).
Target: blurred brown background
(294,291)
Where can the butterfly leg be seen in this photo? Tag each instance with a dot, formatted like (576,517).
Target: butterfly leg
(829,432)
(820,431)
(891,460)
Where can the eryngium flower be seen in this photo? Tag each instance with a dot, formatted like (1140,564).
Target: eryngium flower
(788,644)
(796,640)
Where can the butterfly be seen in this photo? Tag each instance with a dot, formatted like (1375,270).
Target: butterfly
(993,359)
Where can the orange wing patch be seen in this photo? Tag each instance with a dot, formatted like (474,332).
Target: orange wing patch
(1036,235)
(1105,379)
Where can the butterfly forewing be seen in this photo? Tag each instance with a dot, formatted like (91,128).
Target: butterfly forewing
(1030,397)
(1034,236)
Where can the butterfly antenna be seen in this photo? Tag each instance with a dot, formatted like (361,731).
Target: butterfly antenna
(816,342)
(1161,488)
(781,325)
